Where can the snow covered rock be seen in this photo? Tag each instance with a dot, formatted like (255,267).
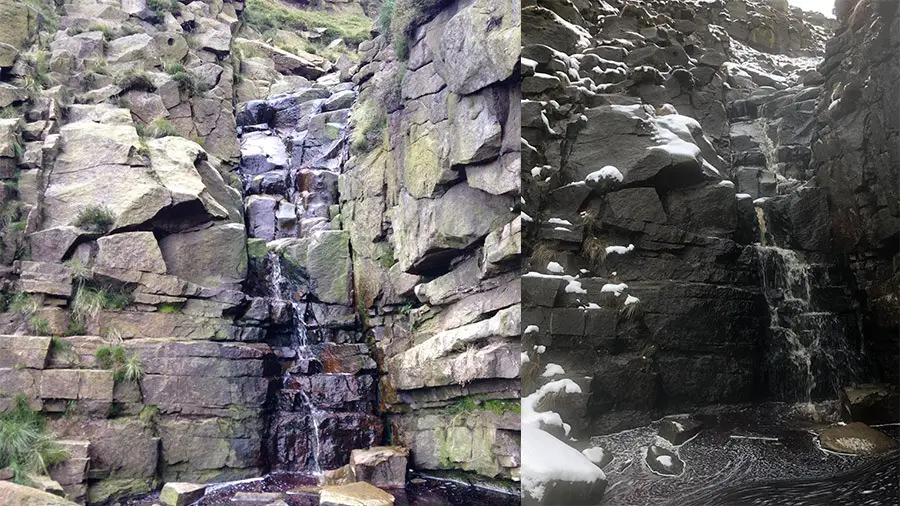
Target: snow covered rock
(664,462)
(554,473)
(598,455)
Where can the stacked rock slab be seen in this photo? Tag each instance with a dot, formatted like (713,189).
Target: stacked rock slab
(292,152)
(430,199)
(163,260)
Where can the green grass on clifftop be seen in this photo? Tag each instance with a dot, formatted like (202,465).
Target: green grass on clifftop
(265,15)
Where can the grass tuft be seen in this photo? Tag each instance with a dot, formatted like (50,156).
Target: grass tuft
(594,251)
(95,218)
(186,80)
(125,366)
(162,127)
(160,7)
(26,446)
(24,304)
(88,302)
(39,325)
(169,308)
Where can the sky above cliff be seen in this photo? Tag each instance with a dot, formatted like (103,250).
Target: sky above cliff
(823,6)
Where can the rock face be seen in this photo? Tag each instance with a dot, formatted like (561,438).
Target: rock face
(429,197)
(855,156)
(670,172)
(122,229)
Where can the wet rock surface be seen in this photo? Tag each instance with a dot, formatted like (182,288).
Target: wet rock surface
(860,102)
(856,438)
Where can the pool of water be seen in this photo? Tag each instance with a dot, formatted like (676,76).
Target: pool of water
(757,455)
(295,490)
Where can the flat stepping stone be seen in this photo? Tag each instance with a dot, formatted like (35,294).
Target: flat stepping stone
(857,439)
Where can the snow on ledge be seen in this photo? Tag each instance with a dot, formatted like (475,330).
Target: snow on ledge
(546,459)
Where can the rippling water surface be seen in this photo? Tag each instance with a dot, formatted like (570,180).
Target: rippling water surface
(764,455)
(421,491)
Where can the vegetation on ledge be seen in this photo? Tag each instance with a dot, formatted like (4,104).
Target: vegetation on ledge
(265,15)
(26,446)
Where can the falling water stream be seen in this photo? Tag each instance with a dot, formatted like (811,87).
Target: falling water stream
(300,343)
(811,351)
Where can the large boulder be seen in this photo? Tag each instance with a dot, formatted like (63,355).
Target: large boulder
(131,48)
(478,46)
(454,357)
(555,473)
(181,494)
(382,466)
(429,232)
(131,250)
(669,150)
(20,495)
(856,438)
(546,27)
(104,140)
(214,257)
(355,494)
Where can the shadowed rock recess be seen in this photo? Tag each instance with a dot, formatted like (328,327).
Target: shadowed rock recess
(249,237)
(710,222)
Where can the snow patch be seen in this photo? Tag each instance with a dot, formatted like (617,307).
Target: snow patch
(575,287)
(552,370)
(614,289)
(606,173)
(595,454)
(619,250)
(555,268)
(546,460)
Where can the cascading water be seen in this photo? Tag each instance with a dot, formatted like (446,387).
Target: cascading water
(813,350)
(293,150)
(300,344)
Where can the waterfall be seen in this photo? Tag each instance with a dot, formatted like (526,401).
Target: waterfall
(761,223)
(300,344)
(813,351)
